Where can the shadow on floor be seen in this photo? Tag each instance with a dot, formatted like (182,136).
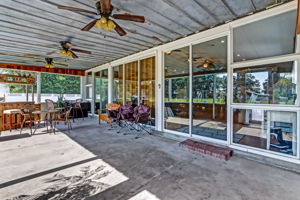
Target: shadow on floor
(14,137)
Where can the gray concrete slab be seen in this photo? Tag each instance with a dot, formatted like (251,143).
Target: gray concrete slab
(92,162)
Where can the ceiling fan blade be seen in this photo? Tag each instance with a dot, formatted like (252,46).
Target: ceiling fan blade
(51,52)
(105,6)
(62,64)
(81,51)
(134,18)
(89,25)
(76,9)
(120,30)
(74,55)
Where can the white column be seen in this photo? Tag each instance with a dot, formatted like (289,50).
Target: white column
(297,71)
(170,89)
(139,82)
(124,85)
(214,97)
(38,87)
(190,78)
(110,84)
(82,87)
(93,94)
(229,85)
(159,86)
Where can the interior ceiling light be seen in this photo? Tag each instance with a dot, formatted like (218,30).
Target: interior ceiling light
(222,41)
(168,52)
(238,55)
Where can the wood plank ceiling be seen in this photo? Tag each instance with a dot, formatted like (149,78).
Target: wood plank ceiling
(30,29)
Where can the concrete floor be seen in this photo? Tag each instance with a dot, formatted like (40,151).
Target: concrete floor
(93,162)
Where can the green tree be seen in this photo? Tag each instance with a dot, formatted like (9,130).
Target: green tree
(60,84)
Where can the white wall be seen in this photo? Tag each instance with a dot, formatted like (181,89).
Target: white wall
(10,97)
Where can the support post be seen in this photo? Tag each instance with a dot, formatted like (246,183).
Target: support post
(110,84)
(38,88)
(83,87)
(93,94)
(27,93)
(159,87)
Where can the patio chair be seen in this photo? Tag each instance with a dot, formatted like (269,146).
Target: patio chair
(65,118)
(112,112)
(126,118)
(142,120)
(50,105)
(28,118)
(77,107)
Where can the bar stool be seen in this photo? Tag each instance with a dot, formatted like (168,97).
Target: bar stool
(13,114)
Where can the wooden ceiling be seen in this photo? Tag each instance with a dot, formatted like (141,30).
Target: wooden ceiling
(30,29)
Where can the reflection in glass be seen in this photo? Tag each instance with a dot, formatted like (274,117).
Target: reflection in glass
(118,95)
(147,77)
(101,89)
(89,78)
(267,84)
(271,130)
(177,90)
(210,89)
(272,36)
(131,83)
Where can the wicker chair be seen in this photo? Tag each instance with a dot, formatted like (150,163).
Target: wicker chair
(65,118)
(77,107)
(50,105)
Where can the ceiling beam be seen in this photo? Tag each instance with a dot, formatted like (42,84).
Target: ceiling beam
(55,70)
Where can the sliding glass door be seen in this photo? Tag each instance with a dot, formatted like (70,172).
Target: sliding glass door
(209,82)
(134,83)
(208,95)
(147,84)
(131,83)
(176,110)
(118,83)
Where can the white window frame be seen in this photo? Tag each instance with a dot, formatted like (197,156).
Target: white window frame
(225,29)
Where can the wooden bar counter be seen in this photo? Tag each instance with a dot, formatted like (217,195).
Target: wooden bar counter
(8,106)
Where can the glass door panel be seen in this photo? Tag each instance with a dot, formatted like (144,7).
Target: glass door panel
(101,89)
(147,90)
(176,116)
(131,83)
(266,129)
(118,95)
(210,89)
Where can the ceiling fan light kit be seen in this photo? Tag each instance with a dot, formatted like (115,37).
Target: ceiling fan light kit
(105,24)
(67,53)
(49,63)
(49,66)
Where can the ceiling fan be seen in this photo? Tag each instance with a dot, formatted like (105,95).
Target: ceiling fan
(68,50)
(104,9)
(49,63)
(205,62)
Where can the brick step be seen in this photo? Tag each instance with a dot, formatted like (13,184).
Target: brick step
(208,149)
